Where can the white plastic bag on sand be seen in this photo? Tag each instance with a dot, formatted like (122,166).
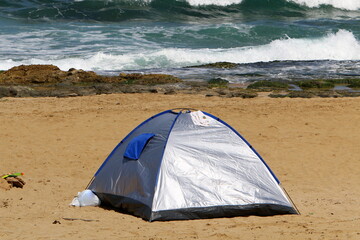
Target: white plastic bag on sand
(85,198)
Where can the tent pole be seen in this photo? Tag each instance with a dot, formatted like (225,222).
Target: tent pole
(292,202)
(91,180)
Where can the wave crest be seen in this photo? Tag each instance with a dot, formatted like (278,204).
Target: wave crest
(342,4)
(122,10)
(341,45)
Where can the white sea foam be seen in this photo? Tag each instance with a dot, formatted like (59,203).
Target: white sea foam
(213,2)
(335,46)
(343,4)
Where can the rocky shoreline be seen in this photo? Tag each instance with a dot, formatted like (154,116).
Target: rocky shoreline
(50,81)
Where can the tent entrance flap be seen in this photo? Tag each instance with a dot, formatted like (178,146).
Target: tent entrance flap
(137,145)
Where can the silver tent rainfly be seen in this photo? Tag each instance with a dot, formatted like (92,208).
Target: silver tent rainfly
(187,164)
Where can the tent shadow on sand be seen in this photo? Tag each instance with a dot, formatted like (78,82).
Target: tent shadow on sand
(187,164)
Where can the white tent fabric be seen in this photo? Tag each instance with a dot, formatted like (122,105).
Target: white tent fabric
(194,165)
(201,168)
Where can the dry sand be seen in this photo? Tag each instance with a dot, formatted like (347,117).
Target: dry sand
(312,145)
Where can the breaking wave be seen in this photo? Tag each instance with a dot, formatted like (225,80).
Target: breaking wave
(341,45)
(122,10)
(343,4)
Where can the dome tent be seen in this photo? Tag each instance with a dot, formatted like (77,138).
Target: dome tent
(184,164)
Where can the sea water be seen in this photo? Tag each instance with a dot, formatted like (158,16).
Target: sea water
(269,39)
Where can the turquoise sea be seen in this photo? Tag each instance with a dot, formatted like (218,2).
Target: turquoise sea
(270,39)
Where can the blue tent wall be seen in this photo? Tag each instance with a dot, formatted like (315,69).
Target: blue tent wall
(130,184)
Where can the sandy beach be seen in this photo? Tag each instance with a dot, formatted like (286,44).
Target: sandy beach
(312,145)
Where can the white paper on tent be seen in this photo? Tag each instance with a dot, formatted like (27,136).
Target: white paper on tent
(200,119)
(85,198)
